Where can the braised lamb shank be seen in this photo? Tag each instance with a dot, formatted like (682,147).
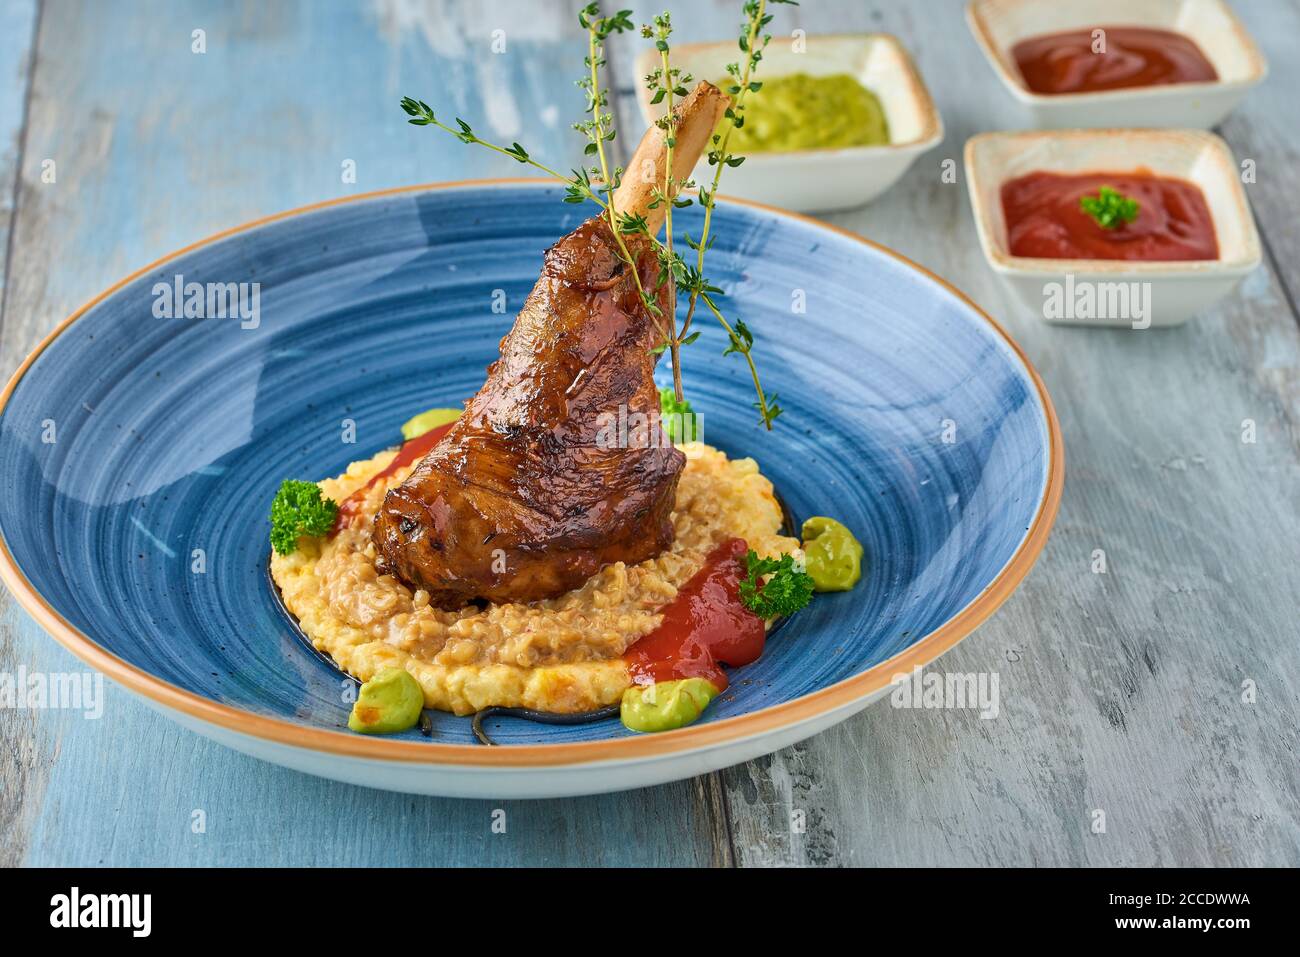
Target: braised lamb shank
(535,488)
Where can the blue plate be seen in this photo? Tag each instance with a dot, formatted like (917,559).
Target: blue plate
(142,452)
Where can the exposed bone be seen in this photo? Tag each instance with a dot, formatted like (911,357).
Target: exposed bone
(698,116)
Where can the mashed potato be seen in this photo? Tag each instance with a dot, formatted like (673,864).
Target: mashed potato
(563,654)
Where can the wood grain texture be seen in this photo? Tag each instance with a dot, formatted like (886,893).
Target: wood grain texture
(17,33)
(1120,692)
(1263,130)
(23,740)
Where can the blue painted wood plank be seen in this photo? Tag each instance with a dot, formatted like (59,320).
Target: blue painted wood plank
(168,145)
(26,742)
(17,28)
(155,146)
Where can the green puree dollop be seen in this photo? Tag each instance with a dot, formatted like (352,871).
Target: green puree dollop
(802,112)
(389,702)
(666,705)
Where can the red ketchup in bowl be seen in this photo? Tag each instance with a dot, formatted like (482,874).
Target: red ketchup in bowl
(1045,221)
(1070,62)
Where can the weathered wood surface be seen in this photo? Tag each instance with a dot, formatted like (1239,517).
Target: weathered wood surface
(1121,692)
(19,733)
(1265,131)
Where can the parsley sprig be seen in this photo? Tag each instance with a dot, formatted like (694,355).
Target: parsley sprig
(667,84)
(599,130)
(1109,208)
(784,593)
(299,509)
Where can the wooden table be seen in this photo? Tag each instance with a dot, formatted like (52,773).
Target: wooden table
(1121,692)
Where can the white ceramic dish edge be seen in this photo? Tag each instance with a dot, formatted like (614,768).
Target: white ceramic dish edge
(813,181)
(999,24)
(1178,290)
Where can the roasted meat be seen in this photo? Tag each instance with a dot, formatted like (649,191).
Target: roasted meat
(557,466)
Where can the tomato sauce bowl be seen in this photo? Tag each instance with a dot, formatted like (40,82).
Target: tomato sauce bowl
(1114,292)
(1000,25)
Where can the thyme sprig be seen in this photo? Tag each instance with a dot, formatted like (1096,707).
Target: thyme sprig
(599,181)
(579,188)
(752,43)
(667,83)
(599,130)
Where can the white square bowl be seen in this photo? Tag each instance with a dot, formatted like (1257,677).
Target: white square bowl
(999,25)
(1177,290)
(816,181)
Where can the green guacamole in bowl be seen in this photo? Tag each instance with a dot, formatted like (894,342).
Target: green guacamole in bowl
(802,112)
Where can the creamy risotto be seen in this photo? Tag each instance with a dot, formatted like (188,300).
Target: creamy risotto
(563,654)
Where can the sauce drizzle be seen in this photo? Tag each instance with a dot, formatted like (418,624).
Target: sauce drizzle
(704,627)
(411,451)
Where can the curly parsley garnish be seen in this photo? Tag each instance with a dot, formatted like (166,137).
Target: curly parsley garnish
(1109,207)
(784,593)
(299,509)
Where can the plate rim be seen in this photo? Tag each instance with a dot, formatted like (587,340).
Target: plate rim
(326,742)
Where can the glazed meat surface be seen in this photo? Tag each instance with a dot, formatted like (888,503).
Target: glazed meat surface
(533,489)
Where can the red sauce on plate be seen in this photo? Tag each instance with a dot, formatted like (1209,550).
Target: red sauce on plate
(1134,56)
(704,627)
(412,450)
(1044,220)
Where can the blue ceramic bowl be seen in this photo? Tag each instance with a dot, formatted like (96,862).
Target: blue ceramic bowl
(142,453)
